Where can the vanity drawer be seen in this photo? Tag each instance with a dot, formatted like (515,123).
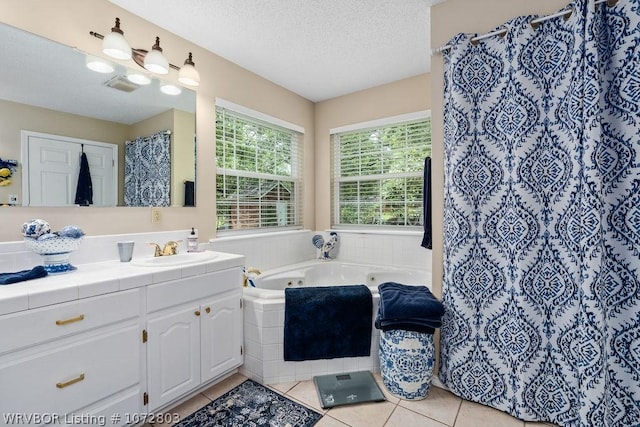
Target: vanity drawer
(71,377)
(169,294)
(27,328)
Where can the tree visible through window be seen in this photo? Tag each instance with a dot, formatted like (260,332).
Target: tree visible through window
(378,174)
(258,173)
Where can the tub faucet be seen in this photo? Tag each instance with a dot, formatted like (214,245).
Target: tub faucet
(329,245)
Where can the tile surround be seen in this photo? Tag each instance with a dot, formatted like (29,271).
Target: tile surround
(272,250)
(264,359)
(264,322)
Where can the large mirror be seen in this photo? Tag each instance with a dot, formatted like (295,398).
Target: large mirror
(53,109)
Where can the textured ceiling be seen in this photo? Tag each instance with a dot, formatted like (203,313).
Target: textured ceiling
(318,49)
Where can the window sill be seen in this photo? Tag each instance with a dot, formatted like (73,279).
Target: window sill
(391,232)
(226,236)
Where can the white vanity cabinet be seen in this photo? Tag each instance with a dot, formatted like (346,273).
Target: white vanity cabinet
(79,357)
(194,333)
(113,341)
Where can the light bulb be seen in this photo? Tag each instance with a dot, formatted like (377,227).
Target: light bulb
(138,78)
(98,65)
(169,89)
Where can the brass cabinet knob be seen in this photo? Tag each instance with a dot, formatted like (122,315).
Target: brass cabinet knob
(197,313)
(208,310)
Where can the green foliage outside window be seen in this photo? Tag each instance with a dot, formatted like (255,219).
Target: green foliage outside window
(257,177)
(379,174)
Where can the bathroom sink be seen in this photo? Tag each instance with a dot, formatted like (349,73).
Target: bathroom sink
(178,260)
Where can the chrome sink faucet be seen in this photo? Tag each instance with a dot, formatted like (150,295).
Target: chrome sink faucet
(170,248)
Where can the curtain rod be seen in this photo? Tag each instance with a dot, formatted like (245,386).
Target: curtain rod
(535,23)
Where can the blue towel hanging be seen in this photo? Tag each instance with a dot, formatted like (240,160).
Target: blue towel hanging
(84,190)
(327,322)
(427,238)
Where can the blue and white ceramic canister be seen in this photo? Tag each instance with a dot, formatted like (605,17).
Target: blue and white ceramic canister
(406,363)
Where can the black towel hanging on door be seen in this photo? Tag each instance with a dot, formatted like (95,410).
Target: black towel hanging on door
(84,190)
(427,239)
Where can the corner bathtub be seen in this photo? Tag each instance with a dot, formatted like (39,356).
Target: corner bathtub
(264,317)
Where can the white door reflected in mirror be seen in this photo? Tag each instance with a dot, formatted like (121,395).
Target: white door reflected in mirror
(52,165)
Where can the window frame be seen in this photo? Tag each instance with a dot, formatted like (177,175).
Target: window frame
(297,166)
(335,170)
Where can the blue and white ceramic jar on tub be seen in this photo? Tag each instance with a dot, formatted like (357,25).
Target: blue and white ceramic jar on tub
(406,363)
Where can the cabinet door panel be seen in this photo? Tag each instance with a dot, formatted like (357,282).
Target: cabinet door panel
(221,335)
(173,355)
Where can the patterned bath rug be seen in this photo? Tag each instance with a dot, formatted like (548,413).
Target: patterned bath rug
(252,405)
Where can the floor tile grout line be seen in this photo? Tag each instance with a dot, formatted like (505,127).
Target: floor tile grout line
(455,420)
(390,414)
(305,404)
(426,416)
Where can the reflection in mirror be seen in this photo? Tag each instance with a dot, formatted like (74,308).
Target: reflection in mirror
(53,108)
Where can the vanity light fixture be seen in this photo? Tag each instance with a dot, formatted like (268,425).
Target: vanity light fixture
(98,65)
(116,46)
(155,61)
(188,74)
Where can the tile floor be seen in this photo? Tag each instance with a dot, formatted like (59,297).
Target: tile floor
(439,409)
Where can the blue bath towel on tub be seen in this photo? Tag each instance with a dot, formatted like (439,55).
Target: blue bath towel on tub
(327,322)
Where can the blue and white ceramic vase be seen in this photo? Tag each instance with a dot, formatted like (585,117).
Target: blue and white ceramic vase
(406,363)
(54,248)
(55,251)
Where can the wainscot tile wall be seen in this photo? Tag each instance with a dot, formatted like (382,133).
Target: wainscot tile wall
(15,256)
(272,250)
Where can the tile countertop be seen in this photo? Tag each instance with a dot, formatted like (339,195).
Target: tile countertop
(99,278)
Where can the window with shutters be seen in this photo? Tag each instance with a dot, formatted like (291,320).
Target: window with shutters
(258,178)
(378,173)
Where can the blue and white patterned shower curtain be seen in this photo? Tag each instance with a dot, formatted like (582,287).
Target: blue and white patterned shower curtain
(147,170)
(542,218)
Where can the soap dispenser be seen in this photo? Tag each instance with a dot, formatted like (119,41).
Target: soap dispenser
(192,241)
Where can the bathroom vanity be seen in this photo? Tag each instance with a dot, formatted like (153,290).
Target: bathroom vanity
(113,340)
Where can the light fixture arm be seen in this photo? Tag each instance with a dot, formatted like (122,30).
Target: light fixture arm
(117,29)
